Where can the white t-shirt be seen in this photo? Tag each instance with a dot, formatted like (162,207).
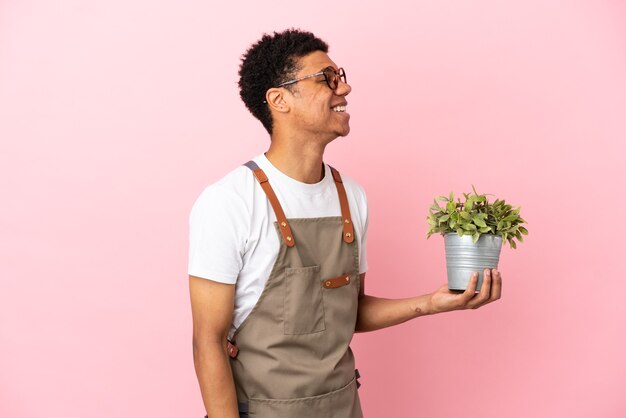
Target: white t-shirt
(232,234)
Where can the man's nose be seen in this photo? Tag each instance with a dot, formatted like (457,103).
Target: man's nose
(343,89)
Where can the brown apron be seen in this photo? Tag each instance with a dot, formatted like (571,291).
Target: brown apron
(291,356)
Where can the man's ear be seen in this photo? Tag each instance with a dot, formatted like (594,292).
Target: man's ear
(276,100)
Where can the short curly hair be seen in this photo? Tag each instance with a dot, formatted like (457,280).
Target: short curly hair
(269,62)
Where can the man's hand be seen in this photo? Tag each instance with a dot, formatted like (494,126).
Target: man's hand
(445,300)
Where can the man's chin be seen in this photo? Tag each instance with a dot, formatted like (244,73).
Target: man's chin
(344,132)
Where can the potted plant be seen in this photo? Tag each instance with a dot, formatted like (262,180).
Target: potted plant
(473,233)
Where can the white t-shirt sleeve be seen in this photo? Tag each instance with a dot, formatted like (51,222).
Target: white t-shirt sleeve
(218,223)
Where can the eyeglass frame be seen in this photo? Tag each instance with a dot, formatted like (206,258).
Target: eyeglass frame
(340,72)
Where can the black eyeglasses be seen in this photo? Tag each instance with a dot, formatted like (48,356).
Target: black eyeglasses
(331,76)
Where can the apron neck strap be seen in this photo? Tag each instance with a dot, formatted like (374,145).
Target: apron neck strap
(348,228)
(284,227)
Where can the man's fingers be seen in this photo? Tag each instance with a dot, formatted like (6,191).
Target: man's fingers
(496,289)
(485,291)
(496,286)
(470,290)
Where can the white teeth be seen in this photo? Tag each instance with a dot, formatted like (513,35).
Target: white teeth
(339,109)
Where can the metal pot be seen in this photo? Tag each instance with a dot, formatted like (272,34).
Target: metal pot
(463,257)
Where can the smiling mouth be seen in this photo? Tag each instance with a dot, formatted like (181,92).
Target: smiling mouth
(339,109)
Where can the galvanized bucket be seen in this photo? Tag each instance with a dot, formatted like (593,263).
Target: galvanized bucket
(463,257)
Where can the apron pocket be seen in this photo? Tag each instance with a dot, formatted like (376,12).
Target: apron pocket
(303,306)
(340,403)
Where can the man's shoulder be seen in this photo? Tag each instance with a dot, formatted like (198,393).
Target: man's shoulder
(353,186)
(233,188)
(236,181)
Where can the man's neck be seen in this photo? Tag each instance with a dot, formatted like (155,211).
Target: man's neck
(298,158)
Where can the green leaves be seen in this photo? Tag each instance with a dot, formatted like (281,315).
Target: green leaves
(476,216)
(478,220)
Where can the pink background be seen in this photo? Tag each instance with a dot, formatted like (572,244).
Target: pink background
(115,115)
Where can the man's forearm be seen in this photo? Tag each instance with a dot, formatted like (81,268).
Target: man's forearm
(376,313)
(216,380)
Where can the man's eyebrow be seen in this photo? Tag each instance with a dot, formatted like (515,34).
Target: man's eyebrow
(328,66)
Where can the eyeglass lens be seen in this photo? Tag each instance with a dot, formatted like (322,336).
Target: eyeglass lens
(332,77)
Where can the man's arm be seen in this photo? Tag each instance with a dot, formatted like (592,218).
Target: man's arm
(376,313)
(212,311)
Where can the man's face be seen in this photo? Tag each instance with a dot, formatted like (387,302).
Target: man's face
(314,104)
